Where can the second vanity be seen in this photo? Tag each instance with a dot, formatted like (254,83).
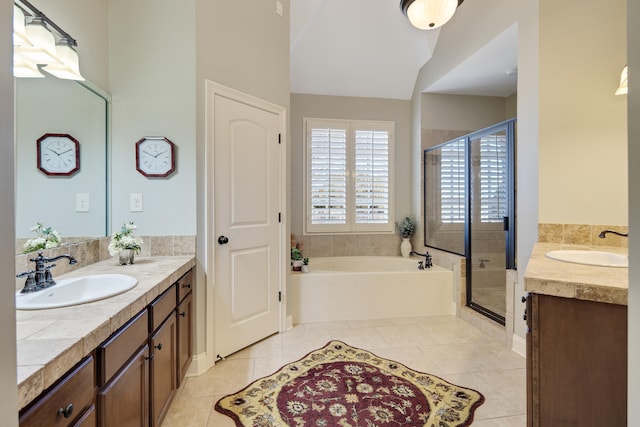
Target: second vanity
(576,341)
(124,356)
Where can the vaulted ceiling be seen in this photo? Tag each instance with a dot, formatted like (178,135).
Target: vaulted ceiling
(368,48)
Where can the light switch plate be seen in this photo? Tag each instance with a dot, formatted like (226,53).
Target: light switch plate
(82,202)
(135,202)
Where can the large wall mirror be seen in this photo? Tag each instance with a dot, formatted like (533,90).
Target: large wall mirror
(75,205)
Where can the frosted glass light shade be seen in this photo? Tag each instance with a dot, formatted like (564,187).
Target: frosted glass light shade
(68,68)
(39,35)
(22,67)
(430,14)
(623,89)
(19,32)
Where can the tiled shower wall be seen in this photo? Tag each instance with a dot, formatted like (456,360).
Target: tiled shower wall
(93,250)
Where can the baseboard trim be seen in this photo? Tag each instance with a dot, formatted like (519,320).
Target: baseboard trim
(519,345)
(198,365)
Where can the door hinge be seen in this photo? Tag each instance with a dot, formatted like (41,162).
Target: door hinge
(279,216)
(279,138)
(279,296)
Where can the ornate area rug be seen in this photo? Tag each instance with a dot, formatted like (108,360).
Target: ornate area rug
(339,385)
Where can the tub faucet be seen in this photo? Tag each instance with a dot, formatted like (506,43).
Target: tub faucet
(427,259)
(41,277)
(603,233)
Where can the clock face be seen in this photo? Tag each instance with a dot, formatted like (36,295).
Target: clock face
(58,154)
(155,157)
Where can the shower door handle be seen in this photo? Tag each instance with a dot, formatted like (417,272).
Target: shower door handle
(223,240)
(505,223)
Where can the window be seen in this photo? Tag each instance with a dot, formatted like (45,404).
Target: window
(349,176)
(494,174)
(452,182)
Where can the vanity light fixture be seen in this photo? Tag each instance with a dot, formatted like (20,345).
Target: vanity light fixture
(623,89)
(38,41)
(429,14)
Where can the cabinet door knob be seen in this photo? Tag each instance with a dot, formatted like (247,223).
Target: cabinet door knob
(159,346)
(184,313)
(524,299)
(150,357)
(66,411)
(188,286)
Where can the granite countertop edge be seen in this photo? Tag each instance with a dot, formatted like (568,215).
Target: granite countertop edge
(91,323)
(569,280)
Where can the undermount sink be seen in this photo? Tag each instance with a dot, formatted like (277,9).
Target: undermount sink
(598,258)
(75,291)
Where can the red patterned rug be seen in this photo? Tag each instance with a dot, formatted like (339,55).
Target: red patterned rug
(339,385)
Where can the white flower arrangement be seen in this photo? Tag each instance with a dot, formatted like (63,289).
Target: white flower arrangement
(124,239)
(47,239)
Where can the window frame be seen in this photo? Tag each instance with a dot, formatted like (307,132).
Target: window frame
(350,226)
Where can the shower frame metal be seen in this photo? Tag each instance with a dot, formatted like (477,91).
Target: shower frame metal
(509,220)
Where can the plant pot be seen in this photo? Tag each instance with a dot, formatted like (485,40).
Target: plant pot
(305,268)
(297,264)
(405,247)
(126,256)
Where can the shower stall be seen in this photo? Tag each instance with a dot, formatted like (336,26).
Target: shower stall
(469,210)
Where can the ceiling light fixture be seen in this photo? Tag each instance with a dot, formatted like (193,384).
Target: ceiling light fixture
(429,14)
(623,89)
(38,41)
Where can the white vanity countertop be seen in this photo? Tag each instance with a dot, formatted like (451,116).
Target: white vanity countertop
(50,342)
(564,279)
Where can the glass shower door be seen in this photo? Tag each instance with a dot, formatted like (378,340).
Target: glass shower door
(490,207)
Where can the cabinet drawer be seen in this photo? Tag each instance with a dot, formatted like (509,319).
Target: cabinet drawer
(73,394)
(162,306)
(114,352)
(185,285)
(89,419)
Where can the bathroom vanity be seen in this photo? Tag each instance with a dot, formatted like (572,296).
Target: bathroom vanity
(127,368)
(576,342)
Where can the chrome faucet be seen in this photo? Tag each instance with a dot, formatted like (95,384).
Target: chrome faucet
(41,277)
(427,260)
(603,234)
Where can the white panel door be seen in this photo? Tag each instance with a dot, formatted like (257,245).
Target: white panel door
(246,226)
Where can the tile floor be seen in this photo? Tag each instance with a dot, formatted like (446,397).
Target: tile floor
(441,345)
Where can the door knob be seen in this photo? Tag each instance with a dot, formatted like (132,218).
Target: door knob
(223,240)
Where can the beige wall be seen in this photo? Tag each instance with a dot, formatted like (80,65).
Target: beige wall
(152,73)
(318,106)
(633,50)
(461,112)
(8,386)
(583,126)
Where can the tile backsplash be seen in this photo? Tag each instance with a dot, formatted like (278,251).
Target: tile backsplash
(582,234)
(350,245)
(90,251)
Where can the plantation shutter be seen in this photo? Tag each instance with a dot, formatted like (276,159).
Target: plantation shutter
(493,178)
(452,184)
(371,177)
(349,176)
(328,176)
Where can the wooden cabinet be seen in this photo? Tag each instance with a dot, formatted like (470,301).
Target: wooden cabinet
(124,402)
(576,363)
(163,343)
(131,378)
(68,402)
(185,340)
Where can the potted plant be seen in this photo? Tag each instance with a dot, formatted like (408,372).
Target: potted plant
(296,259)
(125,244)
(305,265)
(406,228)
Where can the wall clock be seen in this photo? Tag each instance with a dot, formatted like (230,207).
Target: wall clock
(58,154)
(155,156)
